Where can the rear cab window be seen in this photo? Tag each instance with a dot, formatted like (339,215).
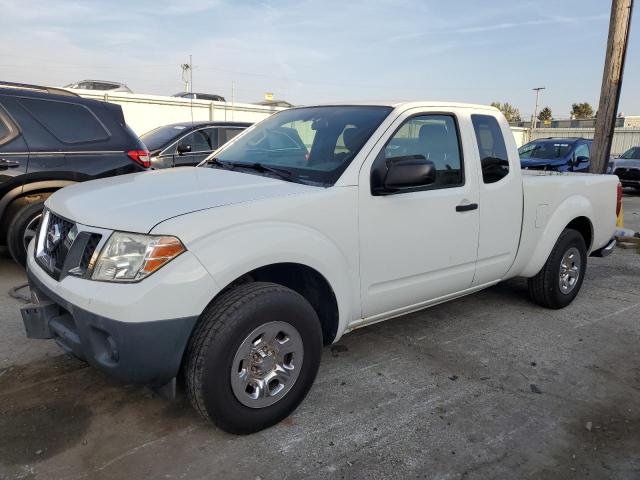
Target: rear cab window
(493,151)
(70,123)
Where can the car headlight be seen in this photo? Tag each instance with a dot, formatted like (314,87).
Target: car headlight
(129,257)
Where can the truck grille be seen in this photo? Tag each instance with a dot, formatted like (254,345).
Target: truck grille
(56,245)
(62,249)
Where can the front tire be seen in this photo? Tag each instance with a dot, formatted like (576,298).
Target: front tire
(560,279)
(253,357)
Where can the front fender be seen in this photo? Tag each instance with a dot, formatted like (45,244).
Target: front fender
(235,251)
(539,243)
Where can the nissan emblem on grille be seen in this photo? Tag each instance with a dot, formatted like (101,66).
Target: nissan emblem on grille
(53,236)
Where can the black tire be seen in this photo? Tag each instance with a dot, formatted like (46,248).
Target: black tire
(544,288)
(222,328)
(23,217)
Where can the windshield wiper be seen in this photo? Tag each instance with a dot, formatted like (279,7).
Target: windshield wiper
(218,163)
(261,167)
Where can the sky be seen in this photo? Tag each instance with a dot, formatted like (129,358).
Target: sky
(313,51)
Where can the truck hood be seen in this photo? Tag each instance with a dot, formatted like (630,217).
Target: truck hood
(542,162)
(139,201)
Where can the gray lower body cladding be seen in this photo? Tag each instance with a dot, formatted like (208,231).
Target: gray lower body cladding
(148,353)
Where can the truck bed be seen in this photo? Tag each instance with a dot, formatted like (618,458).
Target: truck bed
(551,200)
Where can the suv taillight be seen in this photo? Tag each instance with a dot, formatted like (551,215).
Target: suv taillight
(140,157)
(619,201)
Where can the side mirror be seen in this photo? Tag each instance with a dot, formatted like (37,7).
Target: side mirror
(183,148)
(582,159)
(404,173)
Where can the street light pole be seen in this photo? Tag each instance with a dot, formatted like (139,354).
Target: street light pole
(535,109)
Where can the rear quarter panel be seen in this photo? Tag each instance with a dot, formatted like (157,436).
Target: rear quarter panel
(551,202)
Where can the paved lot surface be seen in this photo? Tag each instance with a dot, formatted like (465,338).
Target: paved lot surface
(488,386)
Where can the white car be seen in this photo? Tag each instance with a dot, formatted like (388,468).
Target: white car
(314,222)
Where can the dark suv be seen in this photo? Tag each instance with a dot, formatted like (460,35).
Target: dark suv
(50,138)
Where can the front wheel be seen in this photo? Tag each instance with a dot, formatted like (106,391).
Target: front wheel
(253,357)
(560,279)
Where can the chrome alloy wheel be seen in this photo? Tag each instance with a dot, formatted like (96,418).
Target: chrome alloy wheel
(570,270)
(267,364)
(31,230)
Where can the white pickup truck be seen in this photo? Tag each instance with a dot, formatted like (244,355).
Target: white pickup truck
(312,223)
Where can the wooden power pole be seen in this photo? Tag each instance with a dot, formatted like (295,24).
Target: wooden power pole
(619,25)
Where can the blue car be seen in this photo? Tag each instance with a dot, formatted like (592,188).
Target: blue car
(557,154)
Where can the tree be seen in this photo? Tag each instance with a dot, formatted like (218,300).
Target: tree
(511,113)
(545,115)
(581,111)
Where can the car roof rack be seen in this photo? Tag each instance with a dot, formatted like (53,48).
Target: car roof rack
(37,88)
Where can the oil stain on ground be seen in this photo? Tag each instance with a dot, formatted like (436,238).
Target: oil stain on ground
(40,431)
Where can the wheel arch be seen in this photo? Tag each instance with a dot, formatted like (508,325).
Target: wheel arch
(306,281)
(575,213)
(11,199)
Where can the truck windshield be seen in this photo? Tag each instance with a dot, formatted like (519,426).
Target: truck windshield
(314,145)
(547,150)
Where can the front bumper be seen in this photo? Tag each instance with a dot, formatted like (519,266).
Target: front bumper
(147,352)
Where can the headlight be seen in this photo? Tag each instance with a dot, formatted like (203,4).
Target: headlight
(129,257)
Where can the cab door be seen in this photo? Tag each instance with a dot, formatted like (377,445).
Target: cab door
(500,186)
(420,244)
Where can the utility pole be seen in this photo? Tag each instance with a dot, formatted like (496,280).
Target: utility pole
(186,75)
(534,117)
(233,87)
(190,74)
(619,25)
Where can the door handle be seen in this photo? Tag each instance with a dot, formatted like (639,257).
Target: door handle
(466,208)
(5,164)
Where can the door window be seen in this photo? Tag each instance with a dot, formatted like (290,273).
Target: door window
(227,134)
(582,150)
(493,151)
(200,140)
(435,137)
(68,122)
(5,131)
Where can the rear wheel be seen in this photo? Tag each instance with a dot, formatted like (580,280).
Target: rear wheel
(22,229)
(253,357)
(560,279)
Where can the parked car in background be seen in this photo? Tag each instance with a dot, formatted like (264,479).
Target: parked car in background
(627,168)
(51,138)
(200,96)
(101,85)
(317,221)
(187,144)
(557,154)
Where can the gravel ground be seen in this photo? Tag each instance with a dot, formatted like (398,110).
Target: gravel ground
(488,386)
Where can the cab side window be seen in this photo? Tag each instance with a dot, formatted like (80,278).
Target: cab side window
(493,151)
(435,137)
